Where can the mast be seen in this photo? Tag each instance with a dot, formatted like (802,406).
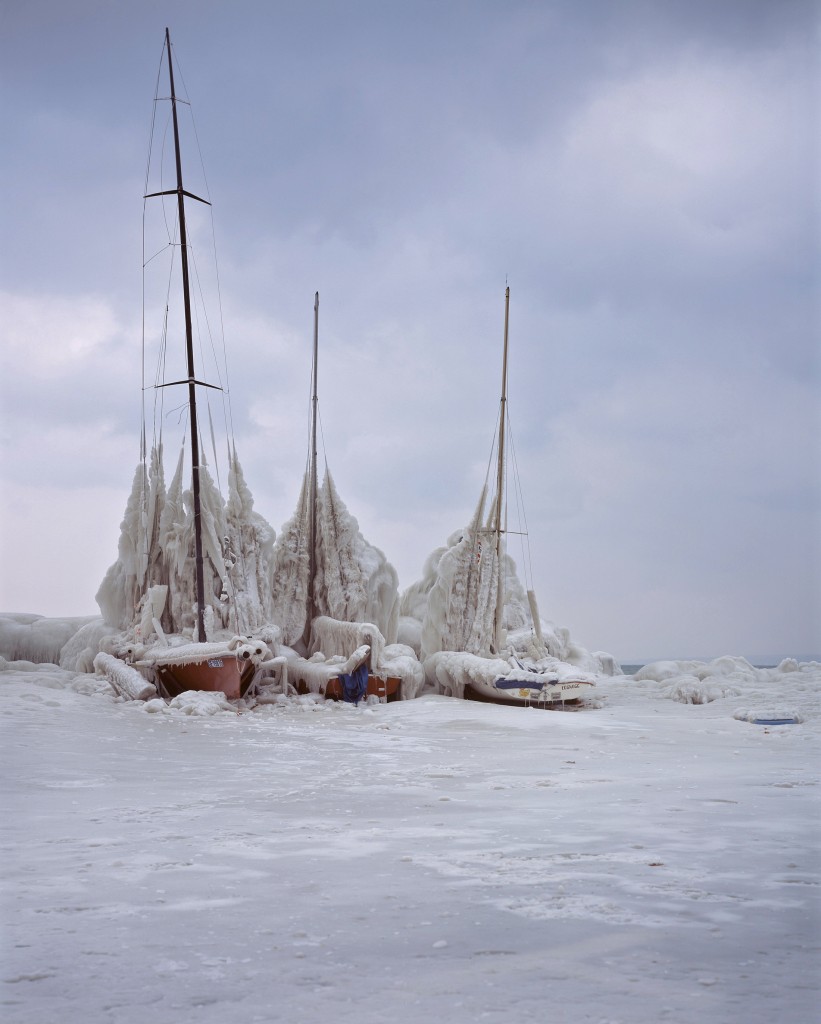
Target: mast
(313,484)
(498,632)
(189,348)
(191,381)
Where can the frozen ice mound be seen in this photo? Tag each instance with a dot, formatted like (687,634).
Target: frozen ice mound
(198,703)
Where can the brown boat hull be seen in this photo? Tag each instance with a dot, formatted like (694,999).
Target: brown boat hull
(388,689)
(228,675)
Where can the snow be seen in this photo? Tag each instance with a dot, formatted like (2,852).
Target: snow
(645,860)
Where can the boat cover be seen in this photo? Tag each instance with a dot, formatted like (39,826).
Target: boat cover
(355,685)
(519,684)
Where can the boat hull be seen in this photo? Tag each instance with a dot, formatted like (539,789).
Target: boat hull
(388,688)
(552,695)
(228,675)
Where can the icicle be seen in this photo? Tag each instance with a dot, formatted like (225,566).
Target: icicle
(534,615)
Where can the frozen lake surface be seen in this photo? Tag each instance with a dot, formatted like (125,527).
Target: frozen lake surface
(646,860)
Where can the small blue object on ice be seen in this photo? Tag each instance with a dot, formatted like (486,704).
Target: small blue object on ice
(775,721)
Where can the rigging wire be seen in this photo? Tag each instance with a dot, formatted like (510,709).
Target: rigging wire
(142,541)
(223,378)
(205,335)
(524,533)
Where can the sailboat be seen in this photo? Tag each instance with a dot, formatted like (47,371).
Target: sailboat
(481,636)
(203,594)
(323,601)
(165,606)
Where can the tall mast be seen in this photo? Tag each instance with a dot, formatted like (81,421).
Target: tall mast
(191,381)
(180,193)
(313,485)
(189,348)
(498,632)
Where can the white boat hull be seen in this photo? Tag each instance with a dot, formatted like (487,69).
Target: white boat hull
(546,695)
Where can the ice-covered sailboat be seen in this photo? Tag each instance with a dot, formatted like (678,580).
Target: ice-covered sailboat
(479,632)
(190,590)
(335,596)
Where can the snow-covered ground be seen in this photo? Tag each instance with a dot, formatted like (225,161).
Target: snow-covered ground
(432,860)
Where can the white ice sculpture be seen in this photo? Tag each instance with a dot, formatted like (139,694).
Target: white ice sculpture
(354,582)
(290,567)
(249,544)
(156,548)
(455,602)
(139,559)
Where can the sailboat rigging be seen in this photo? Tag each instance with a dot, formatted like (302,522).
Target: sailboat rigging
(340,622)
(313,482)
(192,382)
(190,565)
(498,628)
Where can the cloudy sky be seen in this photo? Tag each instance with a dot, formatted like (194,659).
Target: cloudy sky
(644,175)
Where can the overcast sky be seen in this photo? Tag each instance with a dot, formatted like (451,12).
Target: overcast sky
(643,174)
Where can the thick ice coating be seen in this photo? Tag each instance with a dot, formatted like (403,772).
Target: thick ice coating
(450,616)
(252,583)
(354,582)
(156,547)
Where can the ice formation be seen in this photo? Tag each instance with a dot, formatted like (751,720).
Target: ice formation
(36,638)
(354,582)
(156,548)
(316,672)
(197,703)
(703,682)
(249,544)
(328,634)
(348,641)
(452,609)
(254,583)
(124,680)
(291,568)
(455,601)
(461,605)
(121,590)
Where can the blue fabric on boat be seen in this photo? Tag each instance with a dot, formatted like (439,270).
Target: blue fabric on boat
(508,684)
(355,685)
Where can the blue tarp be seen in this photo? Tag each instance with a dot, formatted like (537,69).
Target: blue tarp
(355,686)
(508,684)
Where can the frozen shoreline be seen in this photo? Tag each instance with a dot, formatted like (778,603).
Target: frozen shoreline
(649,860)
